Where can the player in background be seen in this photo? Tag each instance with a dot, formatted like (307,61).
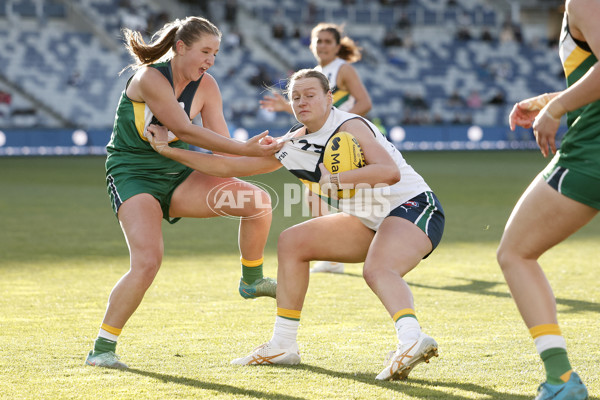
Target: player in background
(564,197)
(170,86)
(390,224)
(335,54)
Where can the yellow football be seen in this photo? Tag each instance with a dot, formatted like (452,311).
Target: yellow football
(343,153)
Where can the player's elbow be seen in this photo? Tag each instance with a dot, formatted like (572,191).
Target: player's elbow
(392,175)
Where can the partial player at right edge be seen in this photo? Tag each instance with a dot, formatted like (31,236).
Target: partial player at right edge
(562,198)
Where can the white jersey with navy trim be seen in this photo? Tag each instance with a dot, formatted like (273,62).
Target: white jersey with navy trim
(302,153)
(341,98)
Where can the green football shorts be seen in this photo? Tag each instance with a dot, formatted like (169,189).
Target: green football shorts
(124,185)
(573,184)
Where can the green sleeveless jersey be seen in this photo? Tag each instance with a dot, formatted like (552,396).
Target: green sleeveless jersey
(128,149)
(580,147)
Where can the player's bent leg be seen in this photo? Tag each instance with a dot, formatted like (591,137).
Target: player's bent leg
(399,245)
(204,196)
(336,237)
(140,218)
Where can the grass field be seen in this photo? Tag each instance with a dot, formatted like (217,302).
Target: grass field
(62,251)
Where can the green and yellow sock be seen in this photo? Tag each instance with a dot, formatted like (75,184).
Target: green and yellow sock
(552,349)
(252,270)
(107,339)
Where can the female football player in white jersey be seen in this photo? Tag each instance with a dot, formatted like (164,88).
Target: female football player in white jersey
(391,223)
(335,53)
(564,197)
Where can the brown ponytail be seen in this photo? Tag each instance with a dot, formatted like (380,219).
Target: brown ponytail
(163,41)
(349,50)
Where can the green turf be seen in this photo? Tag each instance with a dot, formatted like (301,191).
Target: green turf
(62,251)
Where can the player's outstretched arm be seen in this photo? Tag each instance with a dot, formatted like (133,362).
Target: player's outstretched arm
(210,164)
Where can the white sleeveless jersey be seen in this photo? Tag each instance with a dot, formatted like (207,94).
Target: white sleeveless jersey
(301,155)
(341,99)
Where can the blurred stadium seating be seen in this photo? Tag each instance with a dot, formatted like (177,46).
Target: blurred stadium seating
(61,59)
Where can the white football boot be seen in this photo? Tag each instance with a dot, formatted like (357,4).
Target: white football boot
(328,266)
(407,357)
(266,354)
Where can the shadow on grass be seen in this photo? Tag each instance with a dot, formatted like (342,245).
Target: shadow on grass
(217,387)
(479,287)
(419,388)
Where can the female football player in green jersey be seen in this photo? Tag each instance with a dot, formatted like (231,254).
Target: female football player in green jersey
(563,197)
(170,87)
(335,53)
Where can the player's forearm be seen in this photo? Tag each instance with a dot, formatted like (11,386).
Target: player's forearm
(209,164)
(207,139)
(371,175)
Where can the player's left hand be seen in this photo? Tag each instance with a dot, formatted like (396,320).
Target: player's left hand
(327,188)
(157,137)
(545,127)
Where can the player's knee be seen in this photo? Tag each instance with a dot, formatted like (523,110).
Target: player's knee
(507,256)
(146,266)
(290,242)
(371,274)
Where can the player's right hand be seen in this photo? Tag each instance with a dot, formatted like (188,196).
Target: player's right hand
(262,145)
(276,102)
(524,112)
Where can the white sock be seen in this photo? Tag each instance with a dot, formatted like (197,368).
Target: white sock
(284,332)
(545,342)
(408,330)
(107,335)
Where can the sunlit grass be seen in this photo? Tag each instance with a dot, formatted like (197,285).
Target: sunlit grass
(62,251)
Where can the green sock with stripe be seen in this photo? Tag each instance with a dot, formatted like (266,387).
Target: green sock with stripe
(107,339)
(558,367)
(252,270)
(552,349)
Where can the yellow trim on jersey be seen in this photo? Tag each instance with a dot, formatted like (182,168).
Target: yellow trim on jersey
(139,110)
(575,59)
(545,329)
(403,313)
(111,329)
(289,314)
(340,95)
(256,263)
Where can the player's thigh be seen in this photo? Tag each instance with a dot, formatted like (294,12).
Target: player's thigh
(203,196)
(399,245)
(541,219)
(336,237)
(140,218)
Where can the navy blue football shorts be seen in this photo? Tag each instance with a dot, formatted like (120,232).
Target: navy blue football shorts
(426,212)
